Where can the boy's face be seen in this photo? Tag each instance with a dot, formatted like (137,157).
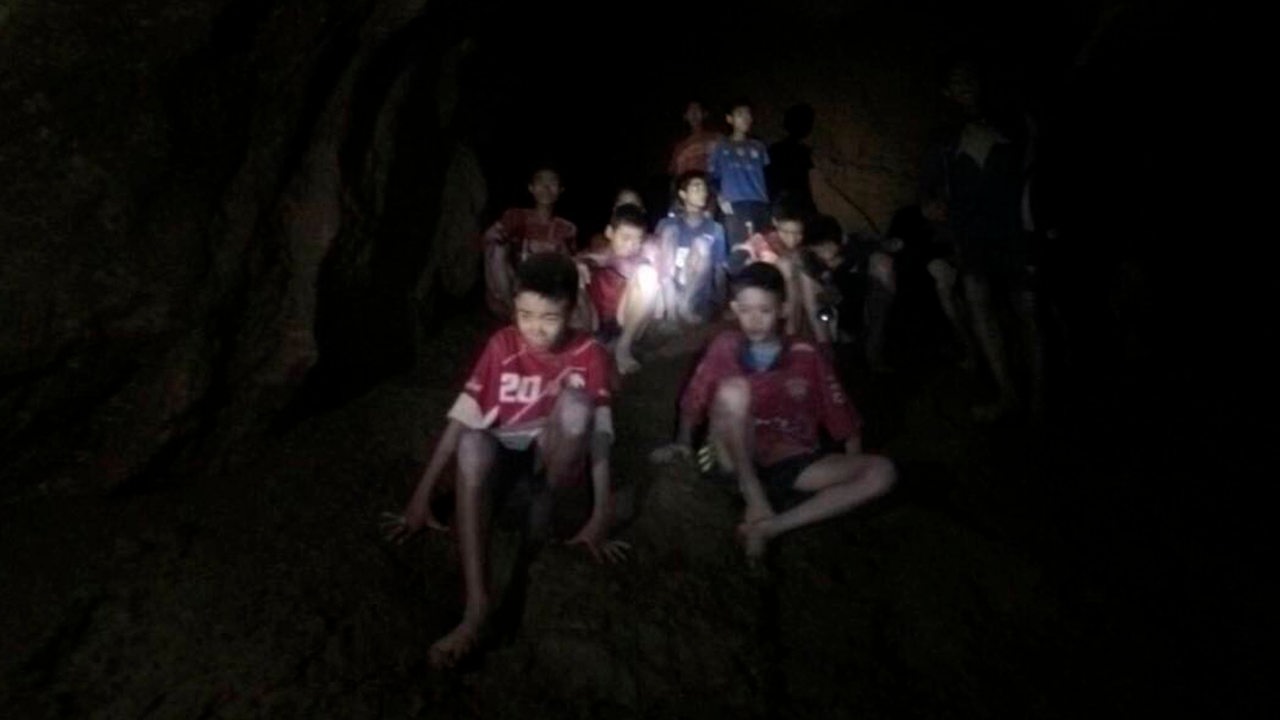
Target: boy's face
(740,120)
(962,88)
(694,115)
(545,187)
(757,313)
(540,320)
(694,194)
(828,253)
(625,239)
(790,232)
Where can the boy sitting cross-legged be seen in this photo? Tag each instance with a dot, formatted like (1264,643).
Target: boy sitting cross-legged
(768,396)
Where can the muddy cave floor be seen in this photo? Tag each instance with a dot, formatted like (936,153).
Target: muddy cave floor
(985,586)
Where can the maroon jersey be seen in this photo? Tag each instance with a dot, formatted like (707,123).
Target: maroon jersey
(609,278)
(527,233)
(513,387)
(790,401)
(693,152)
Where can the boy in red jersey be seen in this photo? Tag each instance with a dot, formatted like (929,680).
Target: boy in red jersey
(768,396)
(537,404)
(622,285)
(519,233)
(780,246)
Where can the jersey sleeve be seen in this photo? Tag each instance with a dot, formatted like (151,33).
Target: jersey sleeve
(509,226)
(764,155)
(718,363)
(838,415)
(477,404)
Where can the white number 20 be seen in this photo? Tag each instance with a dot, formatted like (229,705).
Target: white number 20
(513,388)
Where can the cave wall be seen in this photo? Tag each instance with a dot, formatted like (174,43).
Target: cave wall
(174,178)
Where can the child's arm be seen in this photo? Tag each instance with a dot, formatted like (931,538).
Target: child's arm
(417,513)
(809,296)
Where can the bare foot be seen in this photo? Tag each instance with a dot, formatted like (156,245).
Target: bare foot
(448,650)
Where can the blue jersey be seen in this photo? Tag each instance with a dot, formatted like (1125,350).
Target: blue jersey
(739,166)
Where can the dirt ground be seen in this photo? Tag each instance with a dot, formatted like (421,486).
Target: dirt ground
(990,584)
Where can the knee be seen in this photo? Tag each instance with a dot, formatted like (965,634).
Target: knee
(881,268)
(882,474)
(943,274)
(572,416)
(646,282)
(476,450)
(733,398)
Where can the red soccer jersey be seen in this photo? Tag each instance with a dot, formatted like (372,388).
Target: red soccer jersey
(789,402)
(513,387)
(527,233)
(693,152)
(609,278)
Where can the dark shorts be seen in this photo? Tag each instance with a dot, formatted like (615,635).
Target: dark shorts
(515,479)
(1002,262)
(779,479)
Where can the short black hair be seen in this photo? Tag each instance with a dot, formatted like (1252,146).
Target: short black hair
(761,275)
(784,210)
(688,176)
(545,167)
(738,102)
(823,229)
(629,214)
(552,275)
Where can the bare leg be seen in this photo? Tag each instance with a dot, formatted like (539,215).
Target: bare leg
(732,432)
(562,448)
(564,443)
(840,483)
(1025,305)
(978,293)
(793,308)
(477,451)
(880,296)
(638,306)
(945,278)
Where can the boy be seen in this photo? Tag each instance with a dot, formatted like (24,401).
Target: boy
(779,246)
(691,253)
(692,152)
(626,196)
(622,285)
(519,233)
(536,404)
(768,395)
(737,165)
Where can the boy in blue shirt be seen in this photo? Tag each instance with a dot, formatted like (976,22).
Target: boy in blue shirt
(737,165)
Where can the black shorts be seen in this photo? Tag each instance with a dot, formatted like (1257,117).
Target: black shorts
(781,477)
(513,477)
(1002,262)
(517,477)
